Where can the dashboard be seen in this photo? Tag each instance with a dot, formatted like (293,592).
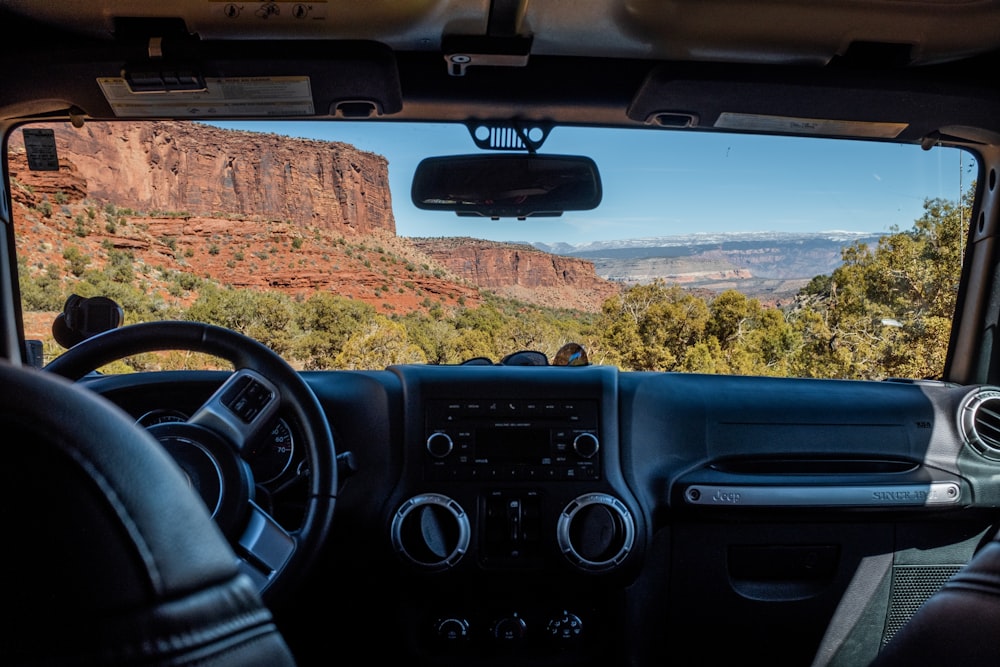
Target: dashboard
(573,515)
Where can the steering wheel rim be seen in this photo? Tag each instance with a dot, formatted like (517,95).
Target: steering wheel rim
(294,396)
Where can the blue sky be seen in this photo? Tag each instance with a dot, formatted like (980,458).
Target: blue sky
(666,183)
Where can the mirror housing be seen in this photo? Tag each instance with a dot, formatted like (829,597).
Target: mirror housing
(507,185)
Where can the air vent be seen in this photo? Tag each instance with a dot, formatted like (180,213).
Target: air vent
(431,531)
(980,420)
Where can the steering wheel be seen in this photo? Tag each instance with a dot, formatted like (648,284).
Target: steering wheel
(208,445)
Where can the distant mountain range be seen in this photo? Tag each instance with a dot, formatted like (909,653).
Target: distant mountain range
(768,265)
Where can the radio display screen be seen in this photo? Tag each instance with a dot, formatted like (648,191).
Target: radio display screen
(512,445)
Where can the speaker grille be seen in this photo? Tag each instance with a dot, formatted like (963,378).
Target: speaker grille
(911,586)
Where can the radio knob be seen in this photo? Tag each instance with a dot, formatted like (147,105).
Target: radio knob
(586,445)
(439,445)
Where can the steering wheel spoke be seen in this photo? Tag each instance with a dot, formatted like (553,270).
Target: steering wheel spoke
(241,408)
(264,548)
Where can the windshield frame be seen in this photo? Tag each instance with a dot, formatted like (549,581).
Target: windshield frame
(459,129)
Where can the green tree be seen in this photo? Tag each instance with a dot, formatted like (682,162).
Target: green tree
(41,291)
(706,357)
(888,309)
(751,339)
(436,338)
(116,281)
(327,321)
(380,344)
(469,344)
(733,314)
(264,316)
(650,327)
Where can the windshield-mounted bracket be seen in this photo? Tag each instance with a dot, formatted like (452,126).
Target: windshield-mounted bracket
(508,135)
(464,51)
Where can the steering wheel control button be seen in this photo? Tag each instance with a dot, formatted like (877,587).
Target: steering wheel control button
(241,408)
(247,398)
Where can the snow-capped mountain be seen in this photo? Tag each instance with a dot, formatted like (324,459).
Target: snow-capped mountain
(842,238)
(766,264)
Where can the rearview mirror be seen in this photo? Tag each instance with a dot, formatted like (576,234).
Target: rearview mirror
(507,185)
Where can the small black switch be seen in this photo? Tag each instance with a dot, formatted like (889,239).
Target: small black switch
(247,398)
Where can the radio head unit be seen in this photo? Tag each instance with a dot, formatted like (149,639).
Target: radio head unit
(512,439)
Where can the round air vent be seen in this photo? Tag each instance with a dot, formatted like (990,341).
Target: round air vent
(595,532)
(431,531)
(980,421)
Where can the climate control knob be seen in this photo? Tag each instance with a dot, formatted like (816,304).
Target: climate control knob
(510,629)
(565,628)
(452,629)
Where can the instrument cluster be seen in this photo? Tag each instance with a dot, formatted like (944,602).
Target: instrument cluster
(272,457)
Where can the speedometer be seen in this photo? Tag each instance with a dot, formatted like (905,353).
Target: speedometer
(272,453)
(269,457)
(161,417)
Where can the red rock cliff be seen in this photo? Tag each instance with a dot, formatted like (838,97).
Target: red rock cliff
(197,168)
(517,270)
(298,185)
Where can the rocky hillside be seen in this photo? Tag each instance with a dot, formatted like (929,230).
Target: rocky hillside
(262,211)
(521,271)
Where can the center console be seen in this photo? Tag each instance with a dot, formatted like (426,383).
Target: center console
(513,504)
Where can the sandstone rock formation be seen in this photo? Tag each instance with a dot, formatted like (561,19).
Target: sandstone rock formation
(174,167)
(267,212)
(518,270)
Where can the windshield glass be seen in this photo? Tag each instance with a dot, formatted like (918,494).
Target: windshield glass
(708,253)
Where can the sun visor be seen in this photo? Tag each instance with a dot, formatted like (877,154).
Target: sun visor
(220,79)
(230,79)
(807,101)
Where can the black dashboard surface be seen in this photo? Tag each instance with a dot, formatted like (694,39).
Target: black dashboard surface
(580,514)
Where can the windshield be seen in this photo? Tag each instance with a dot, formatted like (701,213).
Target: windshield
(708,253)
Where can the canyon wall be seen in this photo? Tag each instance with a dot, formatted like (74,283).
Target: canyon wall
(518,270)
(266,212)
(200,169)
